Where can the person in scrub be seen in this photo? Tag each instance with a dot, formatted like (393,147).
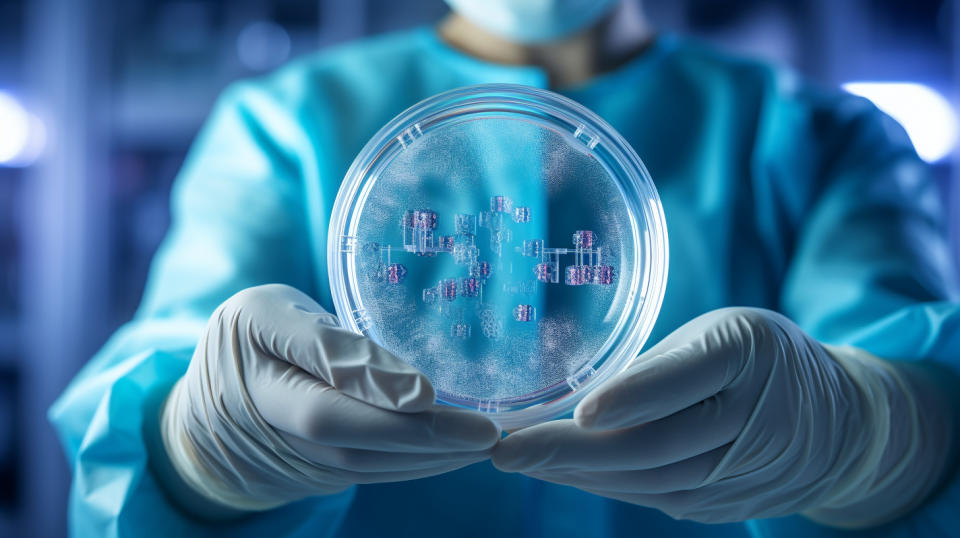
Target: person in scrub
(803,383)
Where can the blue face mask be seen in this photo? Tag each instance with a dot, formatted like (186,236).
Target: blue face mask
(532,21)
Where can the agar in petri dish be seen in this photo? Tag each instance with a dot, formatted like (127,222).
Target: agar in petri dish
(507,242)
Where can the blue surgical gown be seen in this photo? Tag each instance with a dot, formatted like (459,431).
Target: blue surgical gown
(777,194)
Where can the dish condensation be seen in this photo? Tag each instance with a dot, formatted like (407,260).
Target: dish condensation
(505,241)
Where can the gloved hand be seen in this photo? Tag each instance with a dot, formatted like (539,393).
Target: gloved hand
(279,404)
(739,415)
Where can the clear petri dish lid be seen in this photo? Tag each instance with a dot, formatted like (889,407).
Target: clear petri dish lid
(507,242)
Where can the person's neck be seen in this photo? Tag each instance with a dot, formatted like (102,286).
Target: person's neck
(572,60)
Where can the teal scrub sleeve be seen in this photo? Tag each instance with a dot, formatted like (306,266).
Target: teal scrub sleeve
(238,221)
(872,269)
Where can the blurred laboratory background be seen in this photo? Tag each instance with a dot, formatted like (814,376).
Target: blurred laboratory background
(100,99)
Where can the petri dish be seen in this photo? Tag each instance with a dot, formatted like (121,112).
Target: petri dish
(507,242)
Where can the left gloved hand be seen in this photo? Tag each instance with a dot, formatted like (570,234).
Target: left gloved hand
(739,415)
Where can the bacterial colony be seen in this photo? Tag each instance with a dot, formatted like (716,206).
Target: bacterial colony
(460,298)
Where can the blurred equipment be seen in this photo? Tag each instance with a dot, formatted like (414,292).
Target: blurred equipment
(10,473)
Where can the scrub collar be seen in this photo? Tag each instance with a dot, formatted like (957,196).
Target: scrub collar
(488,72)
(479,70)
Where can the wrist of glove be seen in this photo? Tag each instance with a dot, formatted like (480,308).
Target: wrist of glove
(279,404)
(899,450)
(740,415)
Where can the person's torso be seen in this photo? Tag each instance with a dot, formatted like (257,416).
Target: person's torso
(702,125)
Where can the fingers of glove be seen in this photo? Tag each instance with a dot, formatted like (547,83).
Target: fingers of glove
(683,475)
(374,461)
(704,505)
(562,444)
(289,325)
(400,476)
(292,401)
(674,504)
(691,364)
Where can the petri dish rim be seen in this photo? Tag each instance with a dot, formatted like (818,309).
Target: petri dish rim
(577,125)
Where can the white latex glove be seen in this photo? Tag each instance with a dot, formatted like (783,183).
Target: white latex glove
(279,404)
(739,415)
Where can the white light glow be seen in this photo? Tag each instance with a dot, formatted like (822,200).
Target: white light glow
(14,130)
(928,118)
(22,135)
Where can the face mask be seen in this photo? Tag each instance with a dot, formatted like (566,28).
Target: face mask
(532,21)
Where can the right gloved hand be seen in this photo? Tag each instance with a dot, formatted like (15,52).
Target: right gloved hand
(279,404)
